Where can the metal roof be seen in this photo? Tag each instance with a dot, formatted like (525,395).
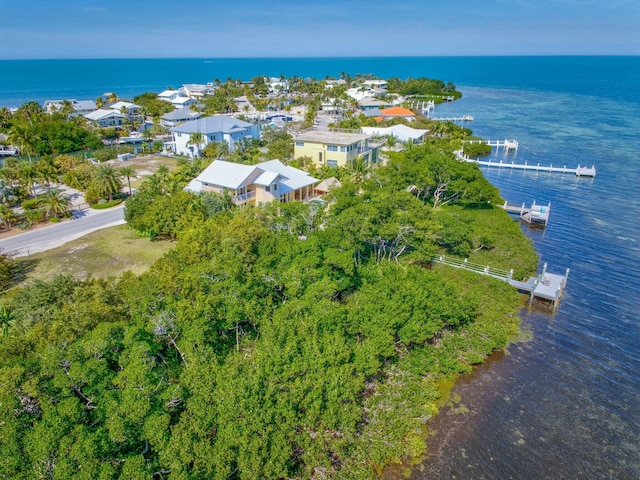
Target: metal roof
(214,124)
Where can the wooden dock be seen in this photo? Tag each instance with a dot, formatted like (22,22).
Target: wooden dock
(506,144)
(579,171)
(547,286)
(535,214)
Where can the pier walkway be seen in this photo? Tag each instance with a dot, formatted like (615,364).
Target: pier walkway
(506,144)
(548,286)
(464,118)
(579,171)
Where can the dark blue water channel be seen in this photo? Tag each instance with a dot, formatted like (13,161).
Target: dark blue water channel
(565,402)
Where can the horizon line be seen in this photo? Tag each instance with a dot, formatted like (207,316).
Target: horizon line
(326,57)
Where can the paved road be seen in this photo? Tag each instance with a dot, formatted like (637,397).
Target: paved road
(83,222)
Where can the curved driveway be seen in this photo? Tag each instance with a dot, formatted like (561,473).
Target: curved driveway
(82,223)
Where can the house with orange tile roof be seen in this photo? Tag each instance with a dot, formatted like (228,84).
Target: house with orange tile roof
(397,112)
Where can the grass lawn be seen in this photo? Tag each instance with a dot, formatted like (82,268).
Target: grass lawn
(104,253)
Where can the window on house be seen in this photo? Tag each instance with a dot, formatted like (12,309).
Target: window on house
(332,148)
(299,144)
(343,149)
(332,163)
(267,188)
(275,187)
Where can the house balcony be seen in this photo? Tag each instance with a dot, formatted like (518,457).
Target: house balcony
(243,198)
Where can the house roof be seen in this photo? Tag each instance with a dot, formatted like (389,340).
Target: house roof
(182,100)
(397,112)
(84,105)
(372,112)
(401,132)
(373,102)
(226,174)
(214,124)
(168,93)
(334,138)
(127,105)
(180,114)
(266,178)
(234,175)
(291,177)
(328,183)
(102,113)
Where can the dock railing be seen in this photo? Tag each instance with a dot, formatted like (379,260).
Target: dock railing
(474,267)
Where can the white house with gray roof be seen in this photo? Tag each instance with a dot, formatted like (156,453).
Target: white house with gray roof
(179,116)
(106,118)
(254,184)
(218,128)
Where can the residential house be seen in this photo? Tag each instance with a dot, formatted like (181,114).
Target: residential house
(178,116)
(218,128)
(402,133)
(255,184)
(277,85)
(335,149)
(197,90)
(131,110)
(177,98)
(80,107)
(397,112)
(375,84)
(334,83)
(371,103)
(106,118)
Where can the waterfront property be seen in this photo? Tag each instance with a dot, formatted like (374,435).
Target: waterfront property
(106,118)
(218,128)
(178,116)
(335,149)
(255,184)
(80,107)
(131,110)
(400,132)
(397,112)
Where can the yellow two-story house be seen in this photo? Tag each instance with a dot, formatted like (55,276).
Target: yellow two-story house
(335,149)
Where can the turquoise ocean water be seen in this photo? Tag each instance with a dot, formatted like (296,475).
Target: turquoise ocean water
(565,403)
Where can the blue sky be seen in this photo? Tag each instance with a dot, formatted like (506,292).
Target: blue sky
(285,28)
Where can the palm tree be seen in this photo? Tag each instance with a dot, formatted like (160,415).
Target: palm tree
(128,172)
(195,138)
(23,137)
(222,150)
(28,176)
(113,98)
(99,102)
(108,181)
(55,202)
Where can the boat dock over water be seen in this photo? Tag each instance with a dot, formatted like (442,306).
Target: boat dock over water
(506,144)
(579,171)
(464,118)
(534,214)
(547,286)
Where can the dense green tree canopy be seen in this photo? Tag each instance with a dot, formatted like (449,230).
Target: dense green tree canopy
(283,341)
